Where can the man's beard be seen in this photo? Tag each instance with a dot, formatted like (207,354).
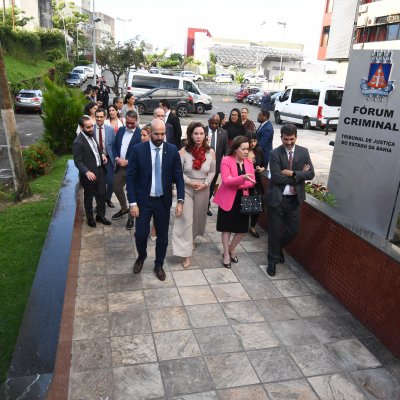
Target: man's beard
(88,133)
(157,142)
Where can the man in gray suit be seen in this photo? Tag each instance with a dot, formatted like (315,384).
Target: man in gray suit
(290,166)
(218,140)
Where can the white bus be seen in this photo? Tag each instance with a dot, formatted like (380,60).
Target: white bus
(139,83)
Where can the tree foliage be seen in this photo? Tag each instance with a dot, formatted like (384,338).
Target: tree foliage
(153,60)
(62,108)
(19,17)
(119,58)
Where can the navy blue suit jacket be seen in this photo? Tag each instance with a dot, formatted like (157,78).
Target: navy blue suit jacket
(169,133)
(265,135)
(139,174)
(118,142)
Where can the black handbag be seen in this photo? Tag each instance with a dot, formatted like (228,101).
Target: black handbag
(252,204)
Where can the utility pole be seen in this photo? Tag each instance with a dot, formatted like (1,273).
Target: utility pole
(20,178)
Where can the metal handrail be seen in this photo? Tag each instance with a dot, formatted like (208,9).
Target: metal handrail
(327,124)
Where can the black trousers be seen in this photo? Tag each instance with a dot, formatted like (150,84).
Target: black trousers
(156,208)
(283,225)
(94,189)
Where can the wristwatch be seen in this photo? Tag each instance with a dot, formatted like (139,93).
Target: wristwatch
(181,201)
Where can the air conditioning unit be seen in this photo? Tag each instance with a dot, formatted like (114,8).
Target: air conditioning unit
(363,8)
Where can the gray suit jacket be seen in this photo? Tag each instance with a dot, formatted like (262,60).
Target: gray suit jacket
(278,161)
(222,146)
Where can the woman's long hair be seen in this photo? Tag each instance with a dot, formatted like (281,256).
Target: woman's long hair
(239,116)
(189,139)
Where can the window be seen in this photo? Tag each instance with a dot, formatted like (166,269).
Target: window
(305,96)
(190,87)
(393,32)
(285,95)
(333,98)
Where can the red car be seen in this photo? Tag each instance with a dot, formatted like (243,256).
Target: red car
(242,94)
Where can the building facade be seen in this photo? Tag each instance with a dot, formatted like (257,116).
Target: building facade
(39,10)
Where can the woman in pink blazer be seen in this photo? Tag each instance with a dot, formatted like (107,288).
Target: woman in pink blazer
(237,174)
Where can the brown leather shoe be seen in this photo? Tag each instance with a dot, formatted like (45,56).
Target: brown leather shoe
(160,273)
(137,267)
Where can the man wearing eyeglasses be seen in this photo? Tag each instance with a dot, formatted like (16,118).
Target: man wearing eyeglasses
(126,137)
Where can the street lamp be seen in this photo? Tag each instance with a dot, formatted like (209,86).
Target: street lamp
(124,21)
(280,65)
(94,48)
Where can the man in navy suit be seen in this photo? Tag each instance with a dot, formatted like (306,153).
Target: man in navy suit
(169,130)
(104,135)
(126,137)
(173,120)
(265,134)
(153,168)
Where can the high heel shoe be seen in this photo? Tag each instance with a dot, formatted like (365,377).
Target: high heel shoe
(234,258)
(228,265)
(186,262)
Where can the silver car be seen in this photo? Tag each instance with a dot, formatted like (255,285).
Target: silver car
(29,100)
(73,80)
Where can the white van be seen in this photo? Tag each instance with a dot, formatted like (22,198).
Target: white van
(310,106)
(139,83)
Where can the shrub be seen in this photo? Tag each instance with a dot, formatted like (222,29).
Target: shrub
(54,55)
(62,68)
(321,193)
(38,159)
(62,108)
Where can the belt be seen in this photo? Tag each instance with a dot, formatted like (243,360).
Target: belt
(155,197)
(286,196)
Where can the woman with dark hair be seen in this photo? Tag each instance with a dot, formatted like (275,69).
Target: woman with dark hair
(237,174)
(112,118)
(222,119)
(234,126)
(257,158)
(198,165)
(129,104)
(90,111)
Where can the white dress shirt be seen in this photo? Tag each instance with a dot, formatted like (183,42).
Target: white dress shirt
(286,191)
(153,153)
(126,139)
(210,133)
(93,146)
(103,136)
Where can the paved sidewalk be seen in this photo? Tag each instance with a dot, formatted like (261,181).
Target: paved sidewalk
(210,333)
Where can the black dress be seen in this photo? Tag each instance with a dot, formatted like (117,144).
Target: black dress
(233,220)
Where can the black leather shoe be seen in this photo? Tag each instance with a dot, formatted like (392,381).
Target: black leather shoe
(271,269)
(254,233)
(91,222)
(160,274)
(102,220)
(119,214)
(110,204)
(209,213)
(282,257)
(129,224)
(137,267)
(234,258)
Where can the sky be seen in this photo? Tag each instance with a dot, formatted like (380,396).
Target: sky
(164,23)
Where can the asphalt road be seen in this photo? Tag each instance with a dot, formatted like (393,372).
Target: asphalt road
(30,129)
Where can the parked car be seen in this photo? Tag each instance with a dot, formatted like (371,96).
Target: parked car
(73,79)
(191,75)
(82,73)
(242,94)
(99,70)
(253,98)
(29,100)
(274,95)
(180,99)
(223,78)
(254,78)
(154,70)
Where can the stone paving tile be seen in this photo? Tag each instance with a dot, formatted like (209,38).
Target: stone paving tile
(168,319)
(129,323)
(89,254)
(262,289)
(217,340)
(394,370)
(121,267)
(189,278)
(336,386)
(242,312)
(377,384)
(244,261)
(256,336)
(176,344)
(125,301)
(355,326)
(274,364)
(91,304)
(352,355)
(161,298)
(314,359)
(248,273)
(231,370)
(283,271)
(313,285)
(91,354)
(328,328)
(217,276)
(206,315)
(123,283)
(92,284)
(92,268)
(184,376)
(91,327)
(293,332)
(150,281)
(128,350)
(230,292)
(255,392)
(383,355)
(276,309)
(196,396)
(137,382)
(299,389)
(93,384)
(197,295)
(309,306)
(292,287)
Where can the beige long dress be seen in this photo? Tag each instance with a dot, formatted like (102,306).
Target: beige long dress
(192,222)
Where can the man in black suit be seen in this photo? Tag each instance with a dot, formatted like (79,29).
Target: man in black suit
(153,167)
(290,166)
(90,160)
(169,130)
(218,141)
(173,120)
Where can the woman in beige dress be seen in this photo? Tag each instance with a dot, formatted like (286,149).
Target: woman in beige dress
(198,165)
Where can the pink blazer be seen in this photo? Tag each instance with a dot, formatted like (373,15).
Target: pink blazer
(231,182)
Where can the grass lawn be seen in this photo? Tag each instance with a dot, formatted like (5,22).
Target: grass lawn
(23,229)
(18,70)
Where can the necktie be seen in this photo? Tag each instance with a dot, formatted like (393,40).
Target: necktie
(213,140)
(100,140)
(158,184)
(292,189)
